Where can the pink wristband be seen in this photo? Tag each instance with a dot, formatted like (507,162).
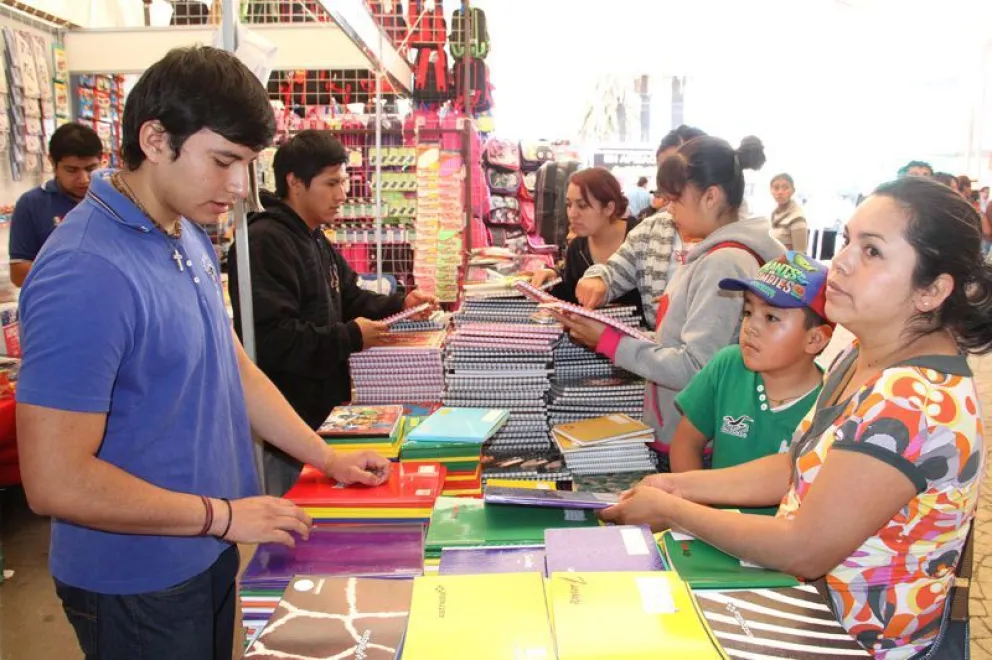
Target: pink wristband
(608,343)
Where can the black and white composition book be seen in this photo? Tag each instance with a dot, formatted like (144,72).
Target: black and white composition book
(788,622)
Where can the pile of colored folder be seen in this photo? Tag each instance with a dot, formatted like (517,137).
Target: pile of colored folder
(408,495)
(372,428)
(453,437)
(362,550)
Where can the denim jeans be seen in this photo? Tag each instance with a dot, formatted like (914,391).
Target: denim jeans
(193,620)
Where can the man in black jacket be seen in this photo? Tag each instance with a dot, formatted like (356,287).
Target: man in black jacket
(310,314)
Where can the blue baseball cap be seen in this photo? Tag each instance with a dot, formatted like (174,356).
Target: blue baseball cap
(791,281)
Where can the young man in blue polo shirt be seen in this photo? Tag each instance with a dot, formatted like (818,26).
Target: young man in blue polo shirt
(75,152)
(136,403)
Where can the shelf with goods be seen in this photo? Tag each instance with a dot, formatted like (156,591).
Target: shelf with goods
(33,99)
(98,102)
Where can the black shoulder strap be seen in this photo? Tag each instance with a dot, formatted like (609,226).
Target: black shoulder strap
(962,578)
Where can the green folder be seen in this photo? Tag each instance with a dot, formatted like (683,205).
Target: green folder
(438,450)
(462,522)
(705,567)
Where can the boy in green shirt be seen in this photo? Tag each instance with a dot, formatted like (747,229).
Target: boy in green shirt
(750,398)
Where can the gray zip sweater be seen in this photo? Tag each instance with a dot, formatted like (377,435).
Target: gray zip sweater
(701,319)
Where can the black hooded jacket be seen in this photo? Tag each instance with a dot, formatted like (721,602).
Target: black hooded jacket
(306,298)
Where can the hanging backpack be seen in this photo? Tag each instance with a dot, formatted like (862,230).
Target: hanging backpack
(503,183)
(430,81)
(535,154)
(527,222)
(481,98)
(428,29)
(549,201)
(389,14)
(503,154)
(479,46)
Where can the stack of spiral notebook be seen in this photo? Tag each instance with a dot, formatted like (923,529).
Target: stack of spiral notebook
(605,445)
(507,366)
(585,397)
(405,368)
(454,438)
(573,360)
(408,495)
(359,428)
(352,550)
(437,321)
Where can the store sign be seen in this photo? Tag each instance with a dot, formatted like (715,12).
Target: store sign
(632,157)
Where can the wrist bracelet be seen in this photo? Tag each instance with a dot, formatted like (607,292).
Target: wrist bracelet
(208,521)
(230,518)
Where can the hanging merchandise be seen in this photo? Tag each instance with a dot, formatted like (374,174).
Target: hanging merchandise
(534,154)
(390,16)
(549,201)
(481,98)
(479,46)
(431,83)
(428,29)
(503,183)
(503,154)
(504,211)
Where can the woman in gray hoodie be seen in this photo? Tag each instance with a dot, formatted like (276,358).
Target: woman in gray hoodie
(705,180)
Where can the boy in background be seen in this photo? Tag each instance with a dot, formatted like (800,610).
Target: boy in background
(747,402)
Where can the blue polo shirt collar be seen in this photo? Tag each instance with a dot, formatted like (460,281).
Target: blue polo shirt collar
(103,193)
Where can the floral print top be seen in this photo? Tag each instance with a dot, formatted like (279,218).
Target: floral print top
(923,418)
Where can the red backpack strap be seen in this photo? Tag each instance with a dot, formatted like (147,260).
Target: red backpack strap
(739,246)
(663,303)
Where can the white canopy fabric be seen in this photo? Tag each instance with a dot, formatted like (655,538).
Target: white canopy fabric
(841,91)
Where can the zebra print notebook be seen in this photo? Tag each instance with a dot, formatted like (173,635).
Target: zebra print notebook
(786,622)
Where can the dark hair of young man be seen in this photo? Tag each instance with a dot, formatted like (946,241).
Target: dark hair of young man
(74,140)
(305,156)
(192,89)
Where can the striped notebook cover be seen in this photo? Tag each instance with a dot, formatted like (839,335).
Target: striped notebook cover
(785,622)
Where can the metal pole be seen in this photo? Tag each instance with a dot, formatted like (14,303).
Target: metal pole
(378,171)
(229,32)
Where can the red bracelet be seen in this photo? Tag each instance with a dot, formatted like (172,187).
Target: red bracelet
(209,516)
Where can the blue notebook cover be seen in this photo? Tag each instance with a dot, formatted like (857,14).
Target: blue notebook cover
(599,549)
(471,561)
(475,425)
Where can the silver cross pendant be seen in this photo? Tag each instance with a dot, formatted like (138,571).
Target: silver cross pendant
(178,258)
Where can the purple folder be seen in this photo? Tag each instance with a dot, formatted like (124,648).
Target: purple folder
(558,499)
(471,561)
(342,550)
(599,549)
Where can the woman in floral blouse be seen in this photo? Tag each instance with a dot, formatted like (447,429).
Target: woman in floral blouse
(880,487)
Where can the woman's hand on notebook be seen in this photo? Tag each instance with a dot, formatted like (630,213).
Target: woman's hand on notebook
(540,277)
(591,292)
(582,330)
(642,505)
(361,467)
